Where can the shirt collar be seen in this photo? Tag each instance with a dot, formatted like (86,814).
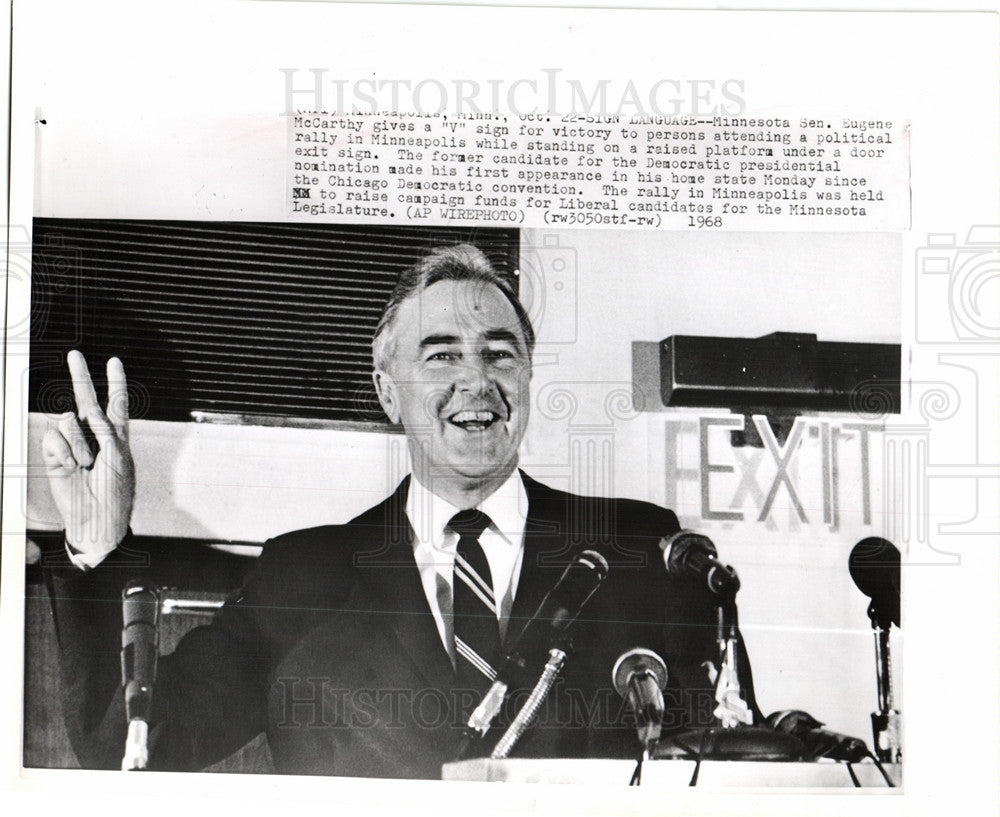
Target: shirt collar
(429,514)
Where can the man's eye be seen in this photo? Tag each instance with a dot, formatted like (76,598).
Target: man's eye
(499,354)
(443,356)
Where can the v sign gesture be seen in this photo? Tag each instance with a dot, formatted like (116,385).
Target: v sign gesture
(93,492)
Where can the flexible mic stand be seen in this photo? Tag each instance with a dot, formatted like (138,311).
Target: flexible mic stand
(886,723)
(733,737)
(874,566)
(732,710)
(527,714)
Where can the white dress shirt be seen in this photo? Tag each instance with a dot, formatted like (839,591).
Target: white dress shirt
(435,545)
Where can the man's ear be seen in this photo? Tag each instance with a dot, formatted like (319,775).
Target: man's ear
(385,389)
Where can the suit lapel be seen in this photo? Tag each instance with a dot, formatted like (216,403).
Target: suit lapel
(391,579)
(388,571)
(545,555)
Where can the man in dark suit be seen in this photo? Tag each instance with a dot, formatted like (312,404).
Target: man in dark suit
(361,649)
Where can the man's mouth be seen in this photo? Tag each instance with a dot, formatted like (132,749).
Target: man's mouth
(474,420)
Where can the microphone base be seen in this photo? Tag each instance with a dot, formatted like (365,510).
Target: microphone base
(739,743)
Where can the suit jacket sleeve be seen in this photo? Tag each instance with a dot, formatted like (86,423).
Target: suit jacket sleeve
(210,694)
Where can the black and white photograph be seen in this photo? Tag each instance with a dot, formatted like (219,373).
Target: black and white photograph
(564,432)
(378,420)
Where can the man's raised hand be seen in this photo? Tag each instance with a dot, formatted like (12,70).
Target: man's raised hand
(93,491)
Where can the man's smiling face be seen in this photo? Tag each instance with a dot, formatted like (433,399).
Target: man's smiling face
(457,379)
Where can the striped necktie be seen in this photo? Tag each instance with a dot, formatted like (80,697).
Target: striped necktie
(477,631)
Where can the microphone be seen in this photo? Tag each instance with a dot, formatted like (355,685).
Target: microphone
(691,555)
(874,566)
(639,676)
(140,648)
(544,630)
(819,742)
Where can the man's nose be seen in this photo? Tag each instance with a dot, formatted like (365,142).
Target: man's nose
(474,376)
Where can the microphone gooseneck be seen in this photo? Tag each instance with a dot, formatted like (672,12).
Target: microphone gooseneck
(545,630)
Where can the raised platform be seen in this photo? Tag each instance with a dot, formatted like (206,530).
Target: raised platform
(676,773)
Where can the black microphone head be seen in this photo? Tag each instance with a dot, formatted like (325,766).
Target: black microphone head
(637,660)
(579,581)
(679,548)
(558,610)
(851,750)
(594,561)
(818,742)
(792,721)
(140,603)
(874,566)
(693,555)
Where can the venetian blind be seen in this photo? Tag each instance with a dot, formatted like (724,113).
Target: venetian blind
(251,322)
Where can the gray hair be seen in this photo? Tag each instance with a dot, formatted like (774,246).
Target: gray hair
(460,262)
